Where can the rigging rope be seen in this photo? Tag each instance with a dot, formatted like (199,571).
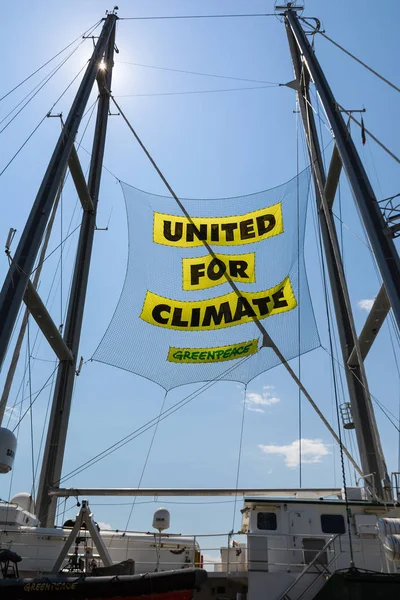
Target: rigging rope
(36,397)
(348,513)
(40,122)
(51,384)
(31,411)
(298,288)
(385,148)
(391,316)
(195,17)
(56,248)
(38,88)
(87,32)
(239,457)
(59,267)
(122,62)
(238,89)
(395,87)
(267,341)
(352,445)
(146,460)
(143,428)
(380,404)
(37,272)
(155,500)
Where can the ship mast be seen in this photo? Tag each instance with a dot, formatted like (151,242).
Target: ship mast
(17,286)
(62,398)
(306,67)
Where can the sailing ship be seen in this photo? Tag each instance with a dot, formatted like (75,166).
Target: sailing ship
(293,543)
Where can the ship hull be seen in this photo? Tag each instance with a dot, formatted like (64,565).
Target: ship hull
(171,585)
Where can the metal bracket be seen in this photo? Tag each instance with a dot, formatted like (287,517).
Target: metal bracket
(374,322)
(332,180)
(84,517)
(43,319)
(289,6)
(79,181)
(46,324)
(355,110)
(10,238)
(78,176)
(391,213)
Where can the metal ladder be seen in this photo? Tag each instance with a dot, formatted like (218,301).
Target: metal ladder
(323,569)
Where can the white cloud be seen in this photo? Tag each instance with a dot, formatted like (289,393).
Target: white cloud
(366,304)
(255,401)
(312,451)
(104,525)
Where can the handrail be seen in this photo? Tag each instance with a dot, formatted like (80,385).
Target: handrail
(395,486)
(307,567)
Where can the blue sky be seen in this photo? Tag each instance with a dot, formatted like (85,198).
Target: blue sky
(208,145)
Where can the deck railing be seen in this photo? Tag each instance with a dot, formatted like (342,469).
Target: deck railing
(226,553)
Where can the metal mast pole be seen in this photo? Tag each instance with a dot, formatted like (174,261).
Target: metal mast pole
(371,454)
(374,223)
(58,424)
(17,278)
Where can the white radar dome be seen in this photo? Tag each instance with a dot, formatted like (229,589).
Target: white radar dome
(24,501)
(8,446)
(161,519)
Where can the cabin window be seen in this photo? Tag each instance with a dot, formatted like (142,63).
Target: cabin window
(333,524)
(266,520)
